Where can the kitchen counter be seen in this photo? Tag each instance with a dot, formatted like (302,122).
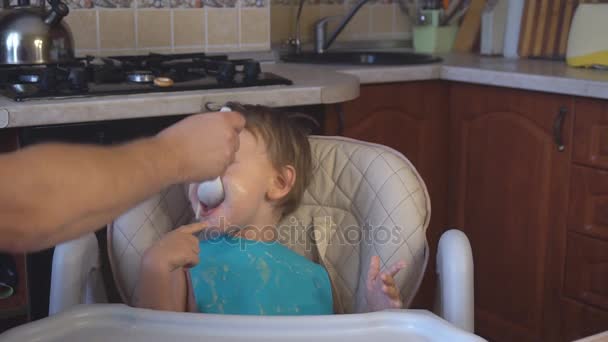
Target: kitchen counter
(311,86)
(315,84)
(528,74)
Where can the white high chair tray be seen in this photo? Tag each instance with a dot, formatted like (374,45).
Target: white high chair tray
(117,322)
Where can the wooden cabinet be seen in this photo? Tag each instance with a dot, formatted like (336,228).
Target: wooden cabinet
(536,214)
(508,192)
(411,118)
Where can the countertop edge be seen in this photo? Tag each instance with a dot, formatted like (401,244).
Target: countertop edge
(532,82)
(310,88)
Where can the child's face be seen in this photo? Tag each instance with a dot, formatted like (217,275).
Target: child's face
(246,182)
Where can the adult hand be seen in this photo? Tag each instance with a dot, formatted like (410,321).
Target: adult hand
(204,144)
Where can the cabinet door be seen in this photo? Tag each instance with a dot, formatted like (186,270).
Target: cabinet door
(588,212)
(413,119)
(591,132)
(508,192)
(586,277)
(580,321)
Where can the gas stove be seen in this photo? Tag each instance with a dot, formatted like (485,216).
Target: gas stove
(153,73)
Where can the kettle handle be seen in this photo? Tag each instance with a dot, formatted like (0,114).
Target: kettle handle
(57,12)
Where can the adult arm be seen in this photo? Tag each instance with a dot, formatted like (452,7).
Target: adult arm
(51,193)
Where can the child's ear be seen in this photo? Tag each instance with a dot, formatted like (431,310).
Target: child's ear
(282,183)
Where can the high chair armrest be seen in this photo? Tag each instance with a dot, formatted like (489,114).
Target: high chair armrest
(455,299)
(75,276)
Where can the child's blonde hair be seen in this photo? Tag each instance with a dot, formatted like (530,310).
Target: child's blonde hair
(286,143)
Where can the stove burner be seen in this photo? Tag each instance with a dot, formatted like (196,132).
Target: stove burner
(92,76)
(140,76)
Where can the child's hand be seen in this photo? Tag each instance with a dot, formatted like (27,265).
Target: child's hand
(382,293)
(177,249)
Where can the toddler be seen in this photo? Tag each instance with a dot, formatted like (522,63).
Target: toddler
(240,267)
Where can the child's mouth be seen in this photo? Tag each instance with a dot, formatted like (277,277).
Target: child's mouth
(205,210)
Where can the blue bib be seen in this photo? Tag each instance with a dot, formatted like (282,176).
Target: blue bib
(246,277)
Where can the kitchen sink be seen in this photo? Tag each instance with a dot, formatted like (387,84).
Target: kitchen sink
(361,58)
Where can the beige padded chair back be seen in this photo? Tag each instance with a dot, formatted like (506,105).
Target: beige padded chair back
(364,199)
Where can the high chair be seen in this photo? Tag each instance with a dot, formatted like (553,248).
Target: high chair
(364,199)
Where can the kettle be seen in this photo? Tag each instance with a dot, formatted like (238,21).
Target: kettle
(29,34)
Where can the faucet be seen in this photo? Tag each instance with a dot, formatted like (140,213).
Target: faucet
(321,29)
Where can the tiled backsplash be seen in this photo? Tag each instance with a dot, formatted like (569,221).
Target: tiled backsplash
(120,27)
(377,19)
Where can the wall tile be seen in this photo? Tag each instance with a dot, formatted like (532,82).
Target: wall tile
(124,52)
(166,50)
(189,27)
(117,29)
(153,3)
(282,27)
(275,3)
(255,26)
(188,50)
(187,3)
(78,4)
(382,18)
(222,27)
(153,28)
(130,26)
(254,3)
(333,2)
(220,3)
(218,49)
(83,24)
(310,14)
(359,26)
(401,22)
(329,10)
(114,3)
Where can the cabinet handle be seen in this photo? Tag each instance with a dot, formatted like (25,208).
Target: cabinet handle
(558,126)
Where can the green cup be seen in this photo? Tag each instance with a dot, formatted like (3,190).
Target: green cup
(434,39)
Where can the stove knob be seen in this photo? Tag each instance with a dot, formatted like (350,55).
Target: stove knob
(251,71)
(48,79)
(225,73)
(77,78)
